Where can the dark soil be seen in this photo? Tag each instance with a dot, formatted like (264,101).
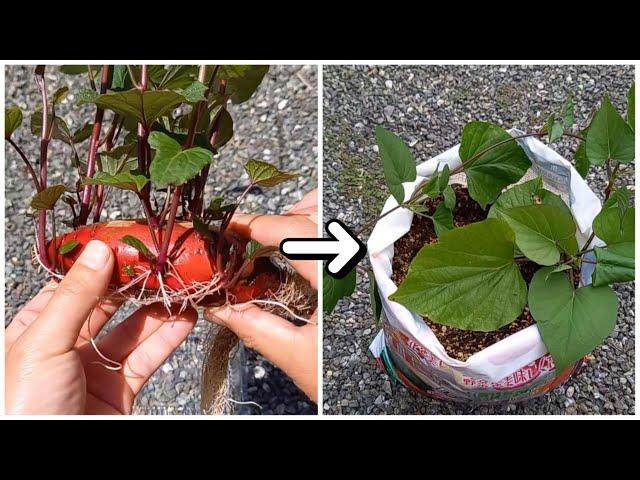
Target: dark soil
(459,344)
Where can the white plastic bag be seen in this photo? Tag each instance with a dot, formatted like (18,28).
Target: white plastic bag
(514,368)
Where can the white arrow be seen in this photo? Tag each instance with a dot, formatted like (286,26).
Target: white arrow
(343,248)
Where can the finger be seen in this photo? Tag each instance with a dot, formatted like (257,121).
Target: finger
(270,230)
(120,342)
(28,314)
(306,206)
(265,332)
(155,349)
(79,292)
(103,311)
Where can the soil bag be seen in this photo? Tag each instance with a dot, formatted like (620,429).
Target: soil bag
(517,367)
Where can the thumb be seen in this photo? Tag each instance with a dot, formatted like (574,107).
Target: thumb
(77,295)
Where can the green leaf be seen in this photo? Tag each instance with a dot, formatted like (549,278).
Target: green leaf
(397,161)
(47,198)
(494,169)
(567,112)
(225,126)
(468,280)
(201,227)
(86,95)
(132,180)
(194,92)
(59,95)
(138,245)
(610,228)
(334,289)
(374,297)
(68,247)
(117,160)
(530,192)
(631,107)
(252,247)
(59,130)
(554,129)
(571,322)
(265,174)
(216,209)
(172,165)
(609,137)
(559,268)
(430,189)
(582,163)
(145,106)
(443,178)
(120,79)
(442,219)
(614,264)
(449,197)
(175,77)
(82,133)
(12,121)
(242,80)
(543,232)
(622,197)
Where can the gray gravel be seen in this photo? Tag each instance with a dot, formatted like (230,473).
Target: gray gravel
(278,124)
(428,106)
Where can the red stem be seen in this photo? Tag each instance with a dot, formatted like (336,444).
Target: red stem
(27,163)
(85,208)
(44,150)
(162,255)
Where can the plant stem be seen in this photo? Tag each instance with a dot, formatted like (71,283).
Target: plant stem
(27,163)
(92,80)
(162,254)
(85,208)
(44,150)
(143,153)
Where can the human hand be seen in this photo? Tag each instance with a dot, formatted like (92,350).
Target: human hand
(293,349)
(50,364)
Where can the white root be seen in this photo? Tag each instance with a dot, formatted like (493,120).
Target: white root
(279,305)
(111,364)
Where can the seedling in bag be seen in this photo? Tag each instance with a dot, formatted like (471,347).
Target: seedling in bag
(471,277)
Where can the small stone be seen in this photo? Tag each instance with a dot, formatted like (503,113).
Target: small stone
(166,368)
(379,400)
(259,372)
(570,391)
(388,84)
(282,104)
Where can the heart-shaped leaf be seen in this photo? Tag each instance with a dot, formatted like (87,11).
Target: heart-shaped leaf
(242,80)
(265,174)
(449,197)
(47,198)
(225,129)
(59,95)
(567,112)
(442,219)
(145,107)
(217,210)
(554,129)
(609,136)
(125,180)
(397,161)
(12,121)
(571,322)
(334,289)
(172,165)
(612,229)
(543,232)
(614,264)
(468,280)
(580,158)
(493,160)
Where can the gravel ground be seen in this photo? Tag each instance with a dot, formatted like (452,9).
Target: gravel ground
(428,106)
(278,124)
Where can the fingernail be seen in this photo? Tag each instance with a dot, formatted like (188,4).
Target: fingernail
(215,314)
(95,255)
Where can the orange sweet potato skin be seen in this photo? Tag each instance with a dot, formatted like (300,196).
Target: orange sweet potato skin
(188,250)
